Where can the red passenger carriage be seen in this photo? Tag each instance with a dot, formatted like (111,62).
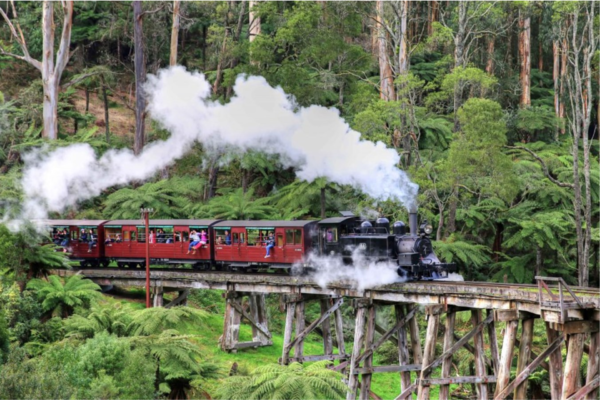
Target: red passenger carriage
(77,242)
(293,240)
(169,242)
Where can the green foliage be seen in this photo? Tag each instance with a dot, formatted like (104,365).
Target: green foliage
(25,378)
(475,158)
(294,381)
(113,319)
(468,255)
(234,204)
(152,321)
(60,299)
(168,198)
(22,255)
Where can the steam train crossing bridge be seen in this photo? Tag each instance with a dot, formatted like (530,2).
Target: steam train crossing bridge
(571,317)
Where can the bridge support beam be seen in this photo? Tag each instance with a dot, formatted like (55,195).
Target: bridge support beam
(157,297)
(295,316)
(365,345)
(255,314)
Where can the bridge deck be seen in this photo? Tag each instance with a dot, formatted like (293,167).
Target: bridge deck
(479,295)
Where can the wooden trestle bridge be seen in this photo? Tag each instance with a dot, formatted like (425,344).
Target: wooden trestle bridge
(571,319)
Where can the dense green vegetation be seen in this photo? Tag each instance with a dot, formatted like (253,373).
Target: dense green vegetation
(497,126)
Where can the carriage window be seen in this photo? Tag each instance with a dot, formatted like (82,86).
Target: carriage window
(254,237)
(293,236)
(181,236)
(238,238)
(164,234)
(113,234)
(141,235)
(221,236)
(289,236)
(258,237)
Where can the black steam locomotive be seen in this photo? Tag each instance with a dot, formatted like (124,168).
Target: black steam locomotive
(411,249)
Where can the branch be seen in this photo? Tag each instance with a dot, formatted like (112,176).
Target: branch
(544,167)
(21,40)
(63,55)
(151,12)
(81,78)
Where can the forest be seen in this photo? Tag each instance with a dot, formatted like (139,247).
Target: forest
(492,108)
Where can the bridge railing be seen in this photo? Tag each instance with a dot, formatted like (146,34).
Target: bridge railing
(541,281)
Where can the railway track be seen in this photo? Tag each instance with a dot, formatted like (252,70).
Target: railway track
(578,289)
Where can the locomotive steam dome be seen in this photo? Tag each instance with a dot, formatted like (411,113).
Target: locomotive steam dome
(399,228)
(383,223)
(364,227)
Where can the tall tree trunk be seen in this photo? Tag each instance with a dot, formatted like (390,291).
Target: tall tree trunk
(489,66)
(174,33)
(579,81)
(525,57)
(217,83)
(385,70)
(459,57)
(255,28)
(403,42)
(556,80)
(459,39)
(105,98)
(140,78)
(87,99)
(213,175)
(432,16)
(51,71)
(236,39)
(50,102)
(540,48)
(539,261)
(563,73)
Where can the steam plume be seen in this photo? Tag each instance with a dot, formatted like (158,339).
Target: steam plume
(315,140)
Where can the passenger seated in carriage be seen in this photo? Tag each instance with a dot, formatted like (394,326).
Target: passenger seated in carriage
(227,238)
(160,237)
(92,241)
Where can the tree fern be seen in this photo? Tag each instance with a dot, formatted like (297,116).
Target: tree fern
(278,382)
(61,299)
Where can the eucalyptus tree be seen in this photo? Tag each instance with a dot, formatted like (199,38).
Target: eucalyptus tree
(51,70)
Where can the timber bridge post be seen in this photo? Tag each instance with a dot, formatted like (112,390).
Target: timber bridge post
(570,318)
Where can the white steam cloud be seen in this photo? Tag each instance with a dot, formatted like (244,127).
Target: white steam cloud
(315,140)
(361,274)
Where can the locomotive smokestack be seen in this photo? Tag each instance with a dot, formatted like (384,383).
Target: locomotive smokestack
(412,222)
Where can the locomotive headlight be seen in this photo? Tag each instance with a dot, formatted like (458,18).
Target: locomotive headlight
(428,229)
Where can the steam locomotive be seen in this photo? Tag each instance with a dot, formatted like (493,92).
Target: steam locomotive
(242,245)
